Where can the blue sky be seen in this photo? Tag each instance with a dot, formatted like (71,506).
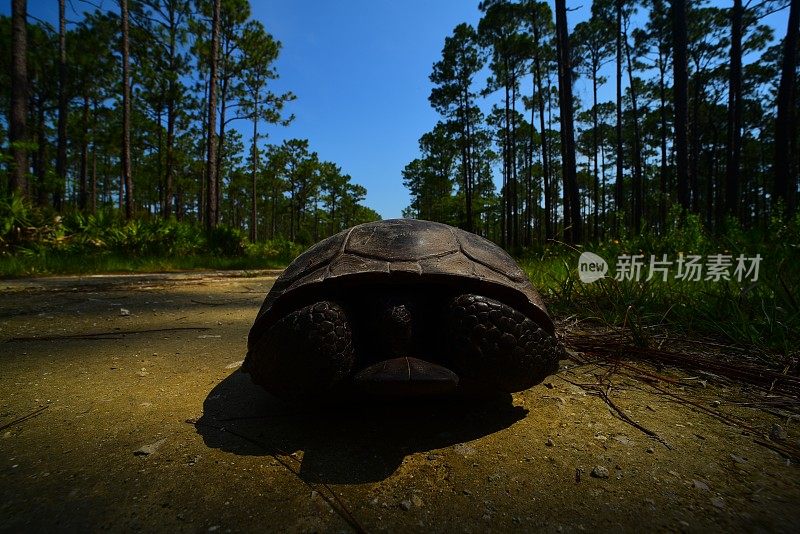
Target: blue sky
(360,71)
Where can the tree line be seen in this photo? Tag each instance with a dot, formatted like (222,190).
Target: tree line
(131,109)
(693,128)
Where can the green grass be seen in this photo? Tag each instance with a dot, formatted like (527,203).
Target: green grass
(23,265)
(763,314)
(36,242)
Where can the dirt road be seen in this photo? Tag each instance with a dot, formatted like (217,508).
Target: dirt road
(121,408)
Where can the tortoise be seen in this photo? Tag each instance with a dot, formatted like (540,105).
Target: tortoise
(401,307)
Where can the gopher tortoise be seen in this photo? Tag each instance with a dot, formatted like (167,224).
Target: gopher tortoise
(401,308)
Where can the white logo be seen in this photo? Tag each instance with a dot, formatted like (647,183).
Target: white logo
(591,267)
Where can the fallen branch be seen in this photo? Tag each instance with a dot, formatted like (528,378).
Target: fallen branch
(207,303)
(622,415)
(222,302)
(597,390)
(24,418)
(116,334)
(610,346)
(788,451)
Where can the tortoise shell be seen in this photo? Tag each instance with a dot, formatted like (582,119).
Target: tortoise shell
(402,251)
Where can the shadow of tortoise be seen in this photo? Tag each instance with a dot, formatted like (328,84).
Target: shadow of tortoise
(348,441)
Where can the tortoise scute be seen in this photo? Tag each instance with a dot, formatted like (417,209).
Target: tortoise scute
(348,264)
(405,267)
(451,264)
(318,255)
(401,240)
(490,256)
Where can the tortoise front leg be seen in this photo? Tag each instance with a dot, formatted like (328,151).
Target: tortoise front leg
(305,353)
(497,347)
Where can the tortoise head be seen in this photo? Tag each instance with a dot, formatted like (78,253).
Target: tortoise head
(406,376)
(395,321)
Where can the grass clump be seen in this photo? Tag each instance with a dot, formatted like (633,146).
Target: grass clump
(33,242)
(762,313)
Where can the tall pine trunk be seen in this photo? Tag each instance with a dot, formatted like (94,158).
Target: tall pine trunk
(466,156)
(61,143)
(595,143)
(41,154)
(203,150)
(84,168)
(127,179)
(211,146)
(505,217)
(223,105)
(552,182)
(94,157)
(734,148)
(537,74)
(17,134)
(680,100)
(712,187)
(619,192)
(662,92)
(159,159)
(514,191)
(254,170)
(169,164)
(273,201)
(571,200)
(529,188)
(171,116)
(603,189)
(698,99)
(785,128)
(638,185)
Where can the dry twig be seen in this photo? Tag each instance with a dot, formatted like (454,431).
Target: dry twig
(599,391)
(604,346)
(609,349)
(115,334)
(622,415)
(24,418)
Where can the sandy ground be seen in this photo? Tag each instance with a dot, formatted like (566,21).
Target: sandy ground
(150,426)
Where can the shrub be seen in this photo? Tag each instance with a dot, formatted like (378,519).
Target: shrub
(227,241)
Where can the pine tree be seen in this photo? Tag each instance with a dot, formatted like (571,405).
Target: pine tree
(18,135)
